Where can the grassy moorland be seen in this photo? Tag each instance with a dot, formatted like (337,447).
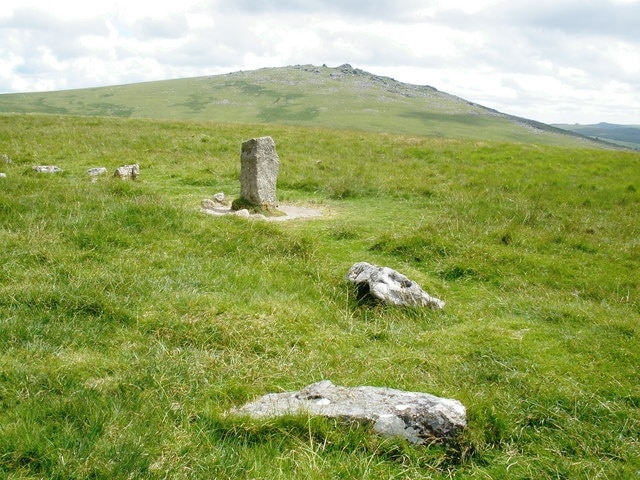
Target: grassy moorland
(130,322)
(304,95)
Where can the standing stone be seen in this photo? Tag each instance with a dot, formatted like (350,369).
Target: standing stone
(259,172)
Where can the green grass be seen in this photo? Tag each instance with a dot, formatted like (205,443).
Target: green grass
(130,322)
(334,98)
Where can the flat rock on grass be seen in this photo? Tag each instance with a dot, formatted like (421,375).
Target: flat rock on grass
(47,169)
(417,417)
(97,171)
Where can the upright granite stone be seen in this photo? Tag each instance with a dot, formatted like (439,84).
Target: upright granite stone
(415,416)
(259,172)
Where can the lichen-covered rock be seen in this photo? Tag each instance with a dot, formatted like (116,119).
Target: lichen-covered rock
(417,417)
(390,286)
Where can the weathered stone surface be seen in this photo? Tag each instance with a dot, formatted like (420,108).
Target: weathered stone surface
(3,175)
(126,172)
(259,171)
(47,169)
(390,286)
(95,172)
(418,417)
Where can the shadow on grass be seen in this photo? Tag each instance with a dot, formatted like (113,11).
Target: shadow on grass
(336,437)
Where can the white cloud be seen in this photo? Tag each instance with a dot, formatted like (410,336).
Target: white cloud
(550,60)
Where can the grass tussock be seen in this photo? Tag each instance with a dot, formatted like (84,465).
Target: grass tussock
(130,323)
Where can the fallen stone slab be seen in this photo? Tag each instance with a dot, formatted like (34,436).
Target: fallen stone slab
(417,417)
(47,169)
(390,286)
(3,175)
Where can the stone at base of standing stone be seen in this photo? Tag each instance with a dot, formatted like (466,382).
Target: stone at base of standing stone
(220,198)
(218,201)
(259,172)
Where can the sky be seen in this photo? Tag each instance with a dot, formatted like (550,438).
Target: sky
(555,61)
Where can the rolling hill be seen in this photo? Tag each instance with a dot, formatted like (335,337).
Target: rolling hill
(625,135)
(339,98)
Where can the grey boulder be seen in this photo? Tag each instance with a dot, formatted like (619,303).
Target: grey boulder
(390,286)
(126,172)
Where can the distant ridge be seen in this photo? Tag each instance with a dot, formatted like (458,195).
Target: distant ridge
(317,96)
(625,135)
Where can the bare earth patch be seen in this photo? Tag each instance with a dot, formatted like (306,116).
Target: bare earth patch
(291,212)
